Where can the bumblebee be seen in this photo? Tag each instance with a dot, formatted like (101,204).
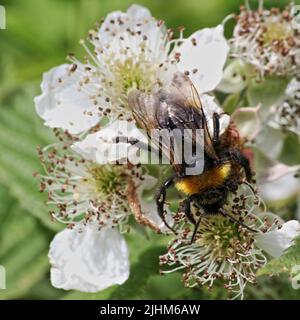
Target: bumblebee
(179,107)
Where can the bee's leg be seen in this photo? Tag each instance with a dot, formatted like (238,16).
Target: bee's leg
(186,208)
(160,200)
(196,228)
(233,219)
(241,160)
(196,199)
(138,143)
(133,141)
(216,124)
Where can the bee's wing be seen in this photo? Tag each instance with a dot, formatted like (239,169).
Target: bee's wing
(176,107)
(183,92)
(148,113)
(150,110)
(144,108)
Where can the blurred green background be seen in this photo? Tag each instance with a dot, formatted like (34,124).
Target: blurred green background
(39,35)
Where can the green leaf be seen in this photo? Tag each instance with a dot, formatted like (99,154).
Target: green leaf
(19,284)
(23,247)
(272,288)
(267,92)
(20,132)
(290,153)
(230,103)
(140,272)
(285,263)
(44,290)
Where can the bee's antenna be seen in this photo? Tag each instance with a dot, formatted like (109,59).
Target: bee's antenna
(230,217)
(196,228)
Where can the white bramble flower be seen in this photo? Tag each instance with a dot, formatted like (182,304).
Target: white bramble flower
(95,202)
(226,252)
(80,190)
(130,50)
(268,40)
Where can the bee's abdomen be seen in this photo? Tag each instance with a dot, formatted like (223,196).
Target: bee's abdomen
(209,179)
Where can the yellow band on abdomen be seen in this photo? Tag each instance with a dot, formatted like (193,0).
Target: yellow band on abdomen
(209,179)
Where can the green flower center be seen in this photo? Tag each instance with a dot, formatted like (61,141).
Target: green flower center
(220,235)
(277,31)
(131,74)
(107,179)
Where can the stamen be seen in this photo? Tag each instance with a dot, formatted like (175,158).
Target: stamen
(221,250)
(82,190)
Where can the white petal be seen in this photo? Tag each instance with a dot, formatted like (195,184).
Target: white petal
(292,88)
(279,170)
(136,11)
(247,121)
(210,107)
(141,24)
(87,259)
(283,188)
(235,77)
(111,26)
(100,146)
(298,209)
(270,142)
(208,56)
(277,241)
(61,105)
(108,29)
